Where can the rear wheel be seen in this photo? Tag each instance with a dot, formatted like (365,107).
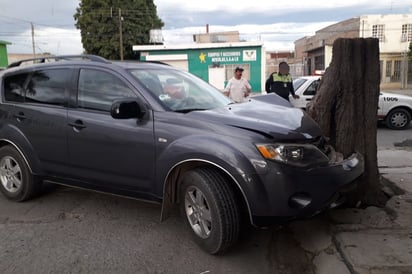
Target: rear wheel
(16,181)
(209,207)
(398,119)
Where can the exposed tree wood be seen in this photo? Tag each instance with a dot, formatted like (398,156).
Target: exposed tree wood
(346,106)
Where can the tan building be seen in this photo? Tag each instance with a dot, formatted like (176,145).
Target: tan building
(273,58)
(217,37)
(394,32)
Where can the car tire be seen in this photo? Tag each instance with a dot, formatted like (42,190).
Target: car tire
(398,119)
(16,181)
(209,208)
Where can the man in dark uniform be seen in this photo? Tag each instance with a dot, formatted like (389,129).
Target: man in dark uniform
(281,83)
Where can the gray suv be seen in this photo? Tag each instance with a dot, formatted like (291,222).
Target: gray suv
(153,132)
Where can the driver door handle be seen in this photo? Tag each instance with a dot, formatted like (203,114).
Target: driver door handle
(77,125)
(20,116)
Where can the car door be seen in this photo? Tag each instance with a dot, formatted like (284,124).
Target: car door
(101,149)
(37,104)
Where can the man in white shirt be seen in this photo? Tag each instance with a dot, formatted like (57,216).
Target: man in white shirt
(238,88)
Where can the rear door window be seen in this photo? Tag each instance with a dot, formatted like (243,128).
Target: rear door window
(48,87)
(14,87)
(41,87)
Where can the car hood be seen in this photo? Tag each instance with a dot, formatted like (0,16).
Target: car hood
(265,115)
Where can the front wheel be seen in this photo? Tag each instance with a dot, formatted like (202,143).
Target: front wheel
(16,181)
(209,208)
(398,119)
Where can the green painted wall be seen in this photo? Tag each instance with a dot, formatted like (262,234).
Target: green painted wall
(3,56)
(199,61)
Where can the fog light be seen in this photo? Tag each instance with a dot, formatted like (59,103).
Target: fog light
(299,200)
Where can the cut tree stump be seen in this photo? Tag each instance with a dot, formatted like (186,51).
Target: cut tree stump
(345,107)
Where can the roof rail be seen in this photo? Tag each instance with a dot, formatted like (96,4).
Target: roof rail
(43,59)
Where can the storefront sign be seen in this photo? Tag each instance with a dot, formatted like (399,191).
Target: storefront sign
(249,55)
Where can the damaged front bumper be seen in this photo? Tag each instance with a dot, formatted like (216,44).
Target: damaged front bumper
(293,193)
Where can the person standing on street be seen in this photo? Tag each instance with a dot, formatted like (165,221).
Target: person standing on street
(281,83)
(238,88)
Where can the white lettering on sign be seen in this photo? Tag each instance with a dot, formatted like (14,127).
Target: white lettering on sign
(214,54)
(222,57)
(225,59)
(228,54)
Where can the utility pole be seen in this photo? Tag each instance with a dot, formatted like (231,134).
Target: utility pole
(121,34)
(32,40)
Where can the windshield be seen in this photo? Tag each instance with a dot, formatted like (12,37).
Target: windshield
(180,91)
(298,82)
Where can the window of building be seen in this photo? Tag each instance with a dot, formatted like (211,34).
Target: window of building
(48,87)
(406,33)
(320,62)
(98,90)
(378,31)
(388,72)
(397,70)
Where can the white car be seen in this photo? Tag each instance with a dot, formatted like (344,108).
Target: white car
(394,109)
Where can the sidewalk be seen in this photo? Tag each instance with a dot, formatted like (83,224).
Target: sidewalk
(372,240)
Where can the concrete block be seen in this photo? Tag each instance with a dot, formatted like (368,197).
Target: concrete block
(402,206)
(313,235)
(377,249)
(329,263)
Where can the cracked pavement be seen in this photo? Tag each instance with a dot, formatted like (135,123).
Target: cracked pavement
(70,230)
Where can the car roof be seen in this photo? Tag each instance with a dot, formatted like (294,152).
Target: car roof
(79,60)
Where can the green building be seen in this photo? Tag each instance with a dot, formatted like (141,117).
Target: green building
(213,62)
(3,54)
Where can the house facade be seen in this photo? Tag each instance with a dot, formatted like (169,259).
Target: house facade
(394,32)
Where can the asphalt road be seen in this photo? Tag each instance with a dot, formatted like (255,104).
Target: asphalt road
(70,230)
(388,138)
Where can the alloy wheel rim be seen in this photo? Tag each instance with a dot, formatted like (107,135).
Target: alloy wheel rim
(10,174)
(399,119)
(198,212)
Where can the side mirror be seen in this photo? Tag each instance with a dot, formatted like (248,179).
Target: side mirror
(127,109)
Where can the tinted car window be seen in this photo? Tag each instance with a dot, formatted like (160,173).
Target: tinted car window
(48,87)
(14,87)
(98,90)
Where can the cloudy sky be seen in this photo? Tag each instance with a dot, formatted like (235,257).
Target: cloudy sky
(276,23)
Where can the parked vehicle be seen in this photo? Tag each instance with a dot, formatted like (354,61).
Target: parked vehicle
(394,109)
(153,132)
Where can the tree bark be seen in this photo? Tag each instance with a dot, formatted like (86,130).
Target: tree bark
(345,107)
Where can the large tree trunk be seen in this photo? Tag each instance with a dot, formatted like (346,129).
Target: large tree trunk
(346,106)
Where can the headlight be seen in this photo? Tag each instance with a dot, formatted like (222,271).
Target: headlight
(302,155)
